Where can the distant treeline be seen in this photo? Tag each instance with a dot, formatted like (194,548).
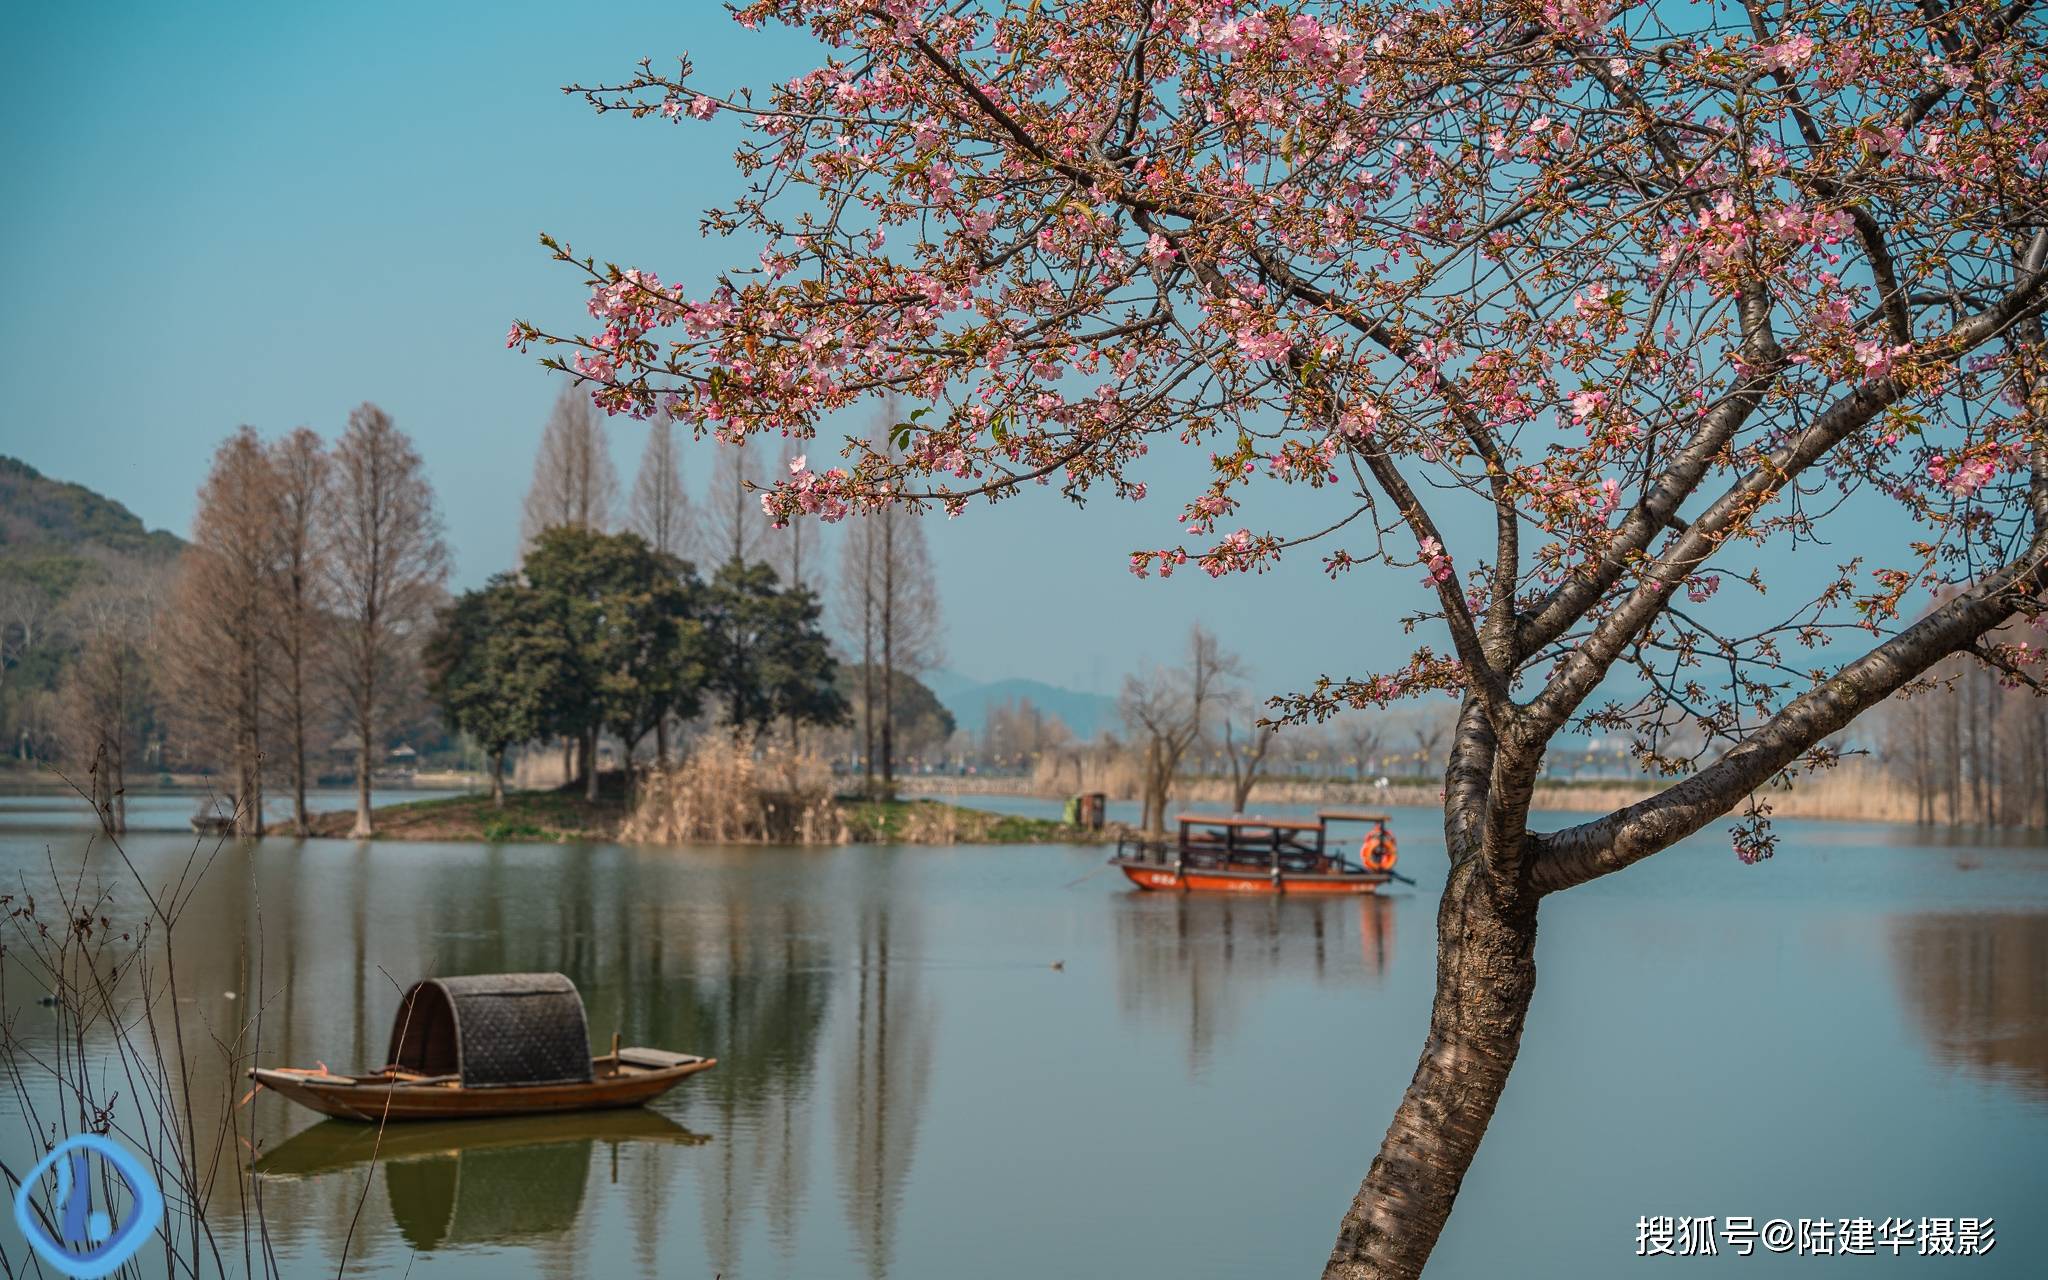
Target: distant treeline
(600,633)
(1971,745)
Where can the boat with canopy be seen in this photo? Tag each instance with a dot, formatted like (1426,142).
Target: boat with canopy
(488,1045)
(1233,853)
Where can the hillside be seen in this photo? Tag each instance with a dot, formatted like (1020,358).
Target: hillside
(56,540)
(1085,714)
(40,514)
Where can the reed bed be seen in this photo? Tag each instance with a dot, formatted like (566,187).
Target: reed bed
(736,790)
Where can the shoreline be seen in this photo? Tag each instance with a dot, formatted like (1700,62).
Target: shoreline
(1852,792)
(554,817)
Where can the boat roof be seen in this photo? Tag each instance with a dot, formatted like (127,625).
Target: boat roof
(1247,820)
(1242,820)
(494,1029)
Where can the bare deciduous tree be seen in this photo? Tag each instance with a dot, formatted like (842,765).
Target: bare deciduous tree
(1363,742)
(734,528)
(299,490)
(384,579)
(105,692)
(793,547)
(660,509)
(573,480)
(1246,744)
(890,602)
(1164,711)
(1019,732)
(1430,729)
(216,625)
(26,612)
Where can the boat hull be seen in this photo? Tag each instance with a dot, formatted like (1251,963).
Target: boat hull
(377,1098)
(1164,877)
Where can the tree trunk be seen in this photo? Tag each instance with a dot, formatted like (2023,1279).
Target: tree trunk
(362,829)
(661,740)
(302,825)
(626,752)
(102,786)
(1153,822)
(888,729)
(590,767)
(867,665)
(1485,974)
(498,778)
(888,655)
(117,768)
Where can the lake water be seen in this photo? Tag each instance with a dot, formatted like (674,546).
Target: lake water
(909,1087)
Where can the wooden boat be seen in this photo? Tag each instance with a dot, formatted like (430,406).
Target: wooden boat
(330,1146)
(1237,854)
(491,1045)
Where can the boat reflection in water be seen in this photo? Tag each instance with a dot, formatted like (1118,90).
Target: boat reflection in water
(476,1181)
(1976,986)
(1202,960)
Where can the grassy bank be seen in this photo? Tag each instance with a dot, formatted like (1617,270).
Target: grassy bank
(555,816)
(527,816)
(935,822)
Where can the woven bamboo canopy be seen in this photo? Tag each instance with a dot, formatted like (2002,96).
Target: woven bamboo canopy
(493,1029)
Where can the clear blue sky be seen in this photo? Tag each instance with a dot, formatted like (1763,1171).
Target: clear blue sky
(267,214)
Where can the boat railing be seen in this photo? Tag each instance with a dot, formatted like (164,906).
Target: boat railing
(1202,841)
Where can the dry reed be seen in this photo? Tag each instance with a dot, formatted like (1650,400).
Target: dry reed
(731,790)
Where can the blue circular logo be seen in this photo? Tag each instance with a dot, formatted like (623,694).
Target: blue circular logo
(82,1240)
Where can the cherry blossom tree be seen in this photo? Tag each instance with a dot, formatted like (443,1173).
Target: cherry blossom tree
(1582,311)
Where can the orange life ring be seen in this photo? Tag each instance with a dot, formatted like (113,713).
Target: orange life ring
(1377,851)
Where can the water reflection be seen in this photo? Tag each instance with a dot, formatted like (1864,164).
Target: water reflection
(1203,959)
(904,1081)
(1976,986)
(883,1064)
(476,1182)
(744,971)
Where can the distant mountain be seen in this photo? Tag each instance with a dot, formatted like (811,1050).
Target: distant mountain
(1085,714)
(57,539)
(39,515)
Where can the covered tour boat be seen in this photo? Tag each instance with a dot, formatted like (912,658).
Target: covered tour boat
(490,1045)
(1238,854)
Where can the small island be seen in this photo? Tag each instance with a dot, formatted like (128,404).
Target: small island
(565,816)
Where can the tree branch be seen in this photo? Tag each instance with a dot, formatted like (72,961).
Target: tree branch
(1593,849)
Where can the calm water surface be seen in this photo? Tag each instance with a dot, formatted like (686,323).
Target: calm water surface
(908,1087)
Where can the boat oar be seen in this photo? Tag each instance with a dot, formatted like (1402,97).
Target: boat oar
(1398,876)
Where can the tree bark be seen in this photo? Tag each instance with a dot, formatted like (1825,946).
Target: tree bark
(1241,792)
(498,778)
(250,802)
(888,656)
(867,664)
(1486,973)
(302,825)
(1153,821)
(118,794)
(590,770)
(362,830)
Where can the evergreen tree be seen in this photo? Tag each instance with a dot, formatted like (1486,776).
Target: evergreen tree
(766,657)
